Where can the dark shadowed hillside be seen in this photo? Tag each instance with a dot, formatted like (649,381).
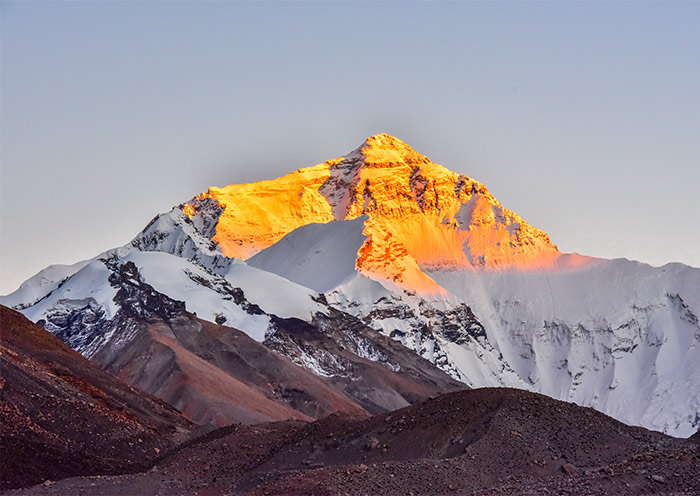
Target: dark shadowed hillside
(61,415)
(486,441)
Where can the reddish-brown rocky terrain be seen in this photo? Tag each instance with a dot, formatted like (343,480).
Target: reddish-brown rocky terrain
(486,441)
(62,416)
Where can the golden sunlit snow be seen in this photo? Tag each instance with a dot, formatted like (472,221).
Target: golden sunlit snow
(419,214)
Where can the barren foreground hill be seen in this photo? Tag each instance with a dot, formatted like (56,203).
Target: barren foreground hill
(486,441)
(61,415)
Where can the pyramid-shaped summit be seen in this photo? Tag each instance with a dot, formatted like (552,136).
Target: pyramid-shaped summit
(383,151)
(419,215)
(385,143)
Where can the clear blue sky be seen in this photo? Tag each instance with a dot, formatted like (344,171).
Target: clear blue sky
(582,117)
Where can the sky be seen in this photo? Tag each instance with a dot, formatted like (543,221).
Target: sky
(582,117)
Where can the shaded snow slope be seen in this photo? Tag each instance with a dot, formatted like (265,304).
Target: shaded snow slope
(174,232)
(89,286)
(617,335)
(318,256)
(206,294)
(42,283)
(620,336)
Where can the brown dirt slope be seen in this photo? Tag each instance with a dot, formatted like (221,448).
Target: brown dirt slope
(63,416)
(217,375)
(485,441)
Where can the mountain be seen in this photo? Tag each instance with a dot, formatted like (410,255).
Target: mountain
(63,416)
(489,441)
(424,256)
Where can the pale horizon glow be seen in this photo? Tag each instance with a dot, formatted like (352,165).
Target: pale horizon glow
(583,118)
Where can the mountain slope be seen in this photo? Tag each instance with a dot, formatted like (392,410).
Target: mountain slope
(380,374)
(586,330)
(63,416)
(617,335)
(555,323)
(116,312)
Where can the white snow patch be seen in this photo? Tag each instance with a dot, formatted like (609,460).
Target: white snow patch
(91,281)
(273,293)
(318,256)
(185,281)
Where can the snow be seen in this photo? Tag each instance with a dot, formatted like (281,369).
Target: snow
(175,233)
(51,274)
(172,232)
(203,292)
(318,256)
(617,335)
(41,284)
(274,294)
(321,363)
(360,290)
(90,282)
(481,368)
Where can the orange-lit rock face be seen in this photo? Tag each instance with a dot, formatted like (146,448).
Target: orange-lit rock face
(420,215)
(258,215)
(188,209)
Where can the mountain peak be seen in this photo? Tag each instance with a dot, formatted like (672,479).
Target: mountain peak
(384,141)
(419,215)
(386,150)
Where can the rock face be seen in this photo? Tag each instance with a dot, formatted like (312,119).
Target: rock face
(62,416)
(377,372)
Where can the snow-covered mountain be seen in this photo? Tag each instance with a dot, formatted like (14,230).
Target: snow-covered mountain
(420,254)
